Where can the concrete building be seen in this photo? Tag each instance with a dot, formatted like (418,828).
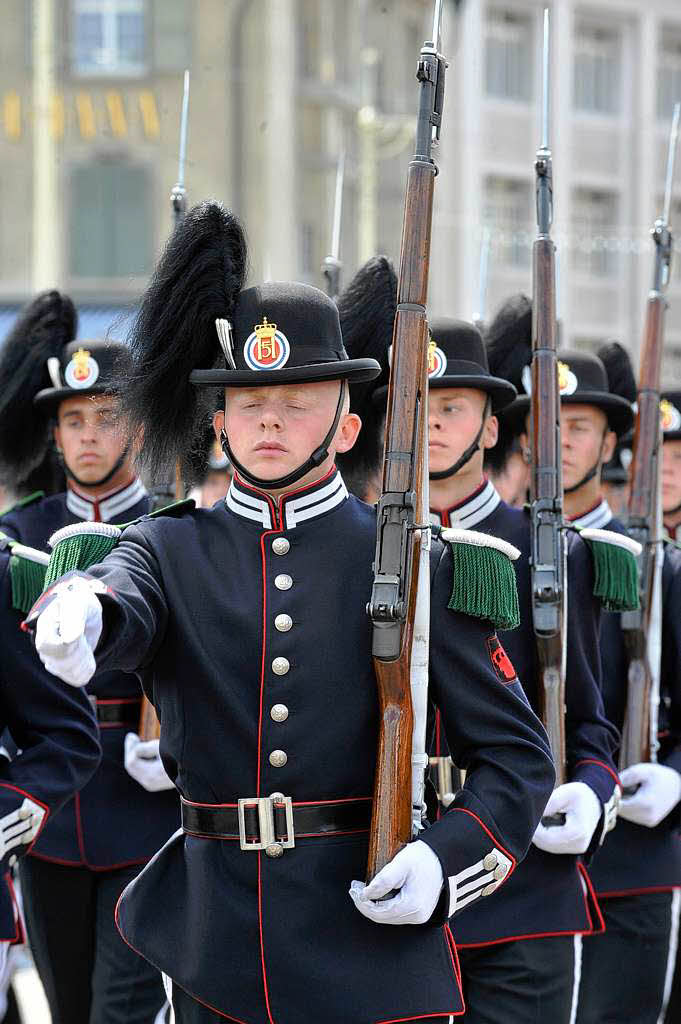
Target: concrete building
(90,96)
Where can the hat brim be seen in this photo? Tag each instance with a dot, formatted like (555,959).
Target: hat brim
(671,435)
(501,392)
(49,399)
(618,411)
(352,370)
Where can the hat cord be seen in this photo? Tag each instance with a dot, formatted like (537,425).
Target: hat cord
(464,459)
(318,455)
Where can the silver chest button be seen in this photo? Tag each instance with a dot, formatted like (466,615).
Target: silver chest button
(283,623)
(280,666)
(283,581)
(281,546)
(490,862)
(279,713)
(274,850)
(278,758)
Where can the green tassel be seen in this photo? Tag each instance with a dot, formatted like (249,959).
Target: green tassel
(28,579)
(80,546)
(484,584)
(615,574)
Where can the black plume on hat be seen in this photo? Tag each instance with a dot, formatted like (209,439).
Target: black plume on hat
(197,280)
(509,340)
(41,332)
(617,363)
(367,314)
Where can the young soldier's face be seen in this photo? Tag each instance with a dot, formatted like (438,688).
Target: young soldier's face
(89,434)
(585,439)
(454,418)
(671,475)
(274,430)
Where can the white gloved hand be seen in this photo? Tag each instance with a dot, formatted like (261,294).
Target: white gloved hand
(20,827)
(143,762)
(582,810)
(68,631)
(659,791)
(417,873)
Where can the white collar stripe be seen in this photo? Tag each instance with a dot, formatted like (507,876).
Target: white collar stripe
(310,505)
(477,509)
(259,512)
(597,518)
(316,496)
(84,509)
(294,515)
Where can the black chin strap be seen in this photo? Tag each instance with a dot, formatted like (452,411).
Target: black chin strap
(591,473)
(467,455)
(318,455)
(671,511)
(105,479)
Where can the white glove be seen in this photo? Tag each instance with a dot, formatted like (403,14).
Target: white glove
(582,810)
(417,873)
(68,631)
(143,762)
(659,790)
(20,827)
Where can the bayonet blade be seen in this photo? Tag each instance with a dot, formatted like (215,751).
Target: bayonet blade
(178,196)
(546,98)
(671,160)
(338,207)
(437,26)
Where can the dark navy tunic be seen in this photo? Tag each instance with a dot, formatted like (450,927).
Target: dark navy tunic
(53,727)
(113,822)
(550,894)
(635,859)
(228,612)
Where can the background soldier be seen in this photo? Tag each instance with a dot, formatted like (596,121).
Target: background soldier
(92,848)
(670,415)
(260,925)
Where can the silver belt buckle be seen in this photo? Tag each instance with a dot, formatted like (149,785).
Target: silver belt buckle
(268,837)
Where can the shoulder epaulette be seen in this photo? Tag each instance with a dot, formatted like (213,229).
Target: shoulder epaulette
(27,569)
(484,583)
(615,569)
(22,502)
(80,545)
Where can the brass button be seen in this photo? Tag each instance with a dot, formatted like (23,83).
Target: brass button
(280,666)
(490,862)
(500,872)
(489,889)
(281,546)
(278,758)
(283,623)
(283,582)
(279,713)
(274,850)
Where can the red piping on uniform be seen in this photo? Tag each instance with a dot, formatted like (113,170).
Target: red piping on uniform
(601,764)
(299,835)
(190,994)
(41,803)
(19,930)
(600,927)
(262,943)
(118,700)
(139,863)
(296,803)
(638,892)
(455,957)
(464,810)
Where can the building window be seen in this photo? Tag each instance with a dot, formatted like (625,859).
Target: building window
(110,223)
(597,70)
(108,37)
(309,38)
(509,56)
(595,242)
(669,73)
(508,213)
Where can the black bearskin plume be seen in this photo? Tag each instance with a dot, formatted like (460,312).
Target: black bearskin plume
(42,330)
(197,280)
(367,313)
(621,380)
(509,351)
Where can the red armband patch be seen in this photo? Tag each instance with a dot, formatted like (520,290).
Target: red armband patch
(501,663)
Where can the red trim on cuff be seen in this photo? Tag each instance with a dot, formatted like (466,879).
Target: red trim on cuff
(41,803)
(497,842)
(601,764)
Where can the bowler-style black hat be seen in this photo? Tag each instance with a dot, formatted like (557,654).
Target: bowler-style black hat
(670,415)
(457,359)
(84,368)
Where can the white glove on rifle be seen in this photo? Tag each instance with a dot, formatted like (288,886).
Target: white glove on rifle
(143,762)
(582,810)
(417,873)
(68,631)
(20,827)
(659,791)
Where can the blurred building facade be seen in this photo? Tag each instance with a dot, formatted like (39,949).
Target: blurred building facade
(90,97)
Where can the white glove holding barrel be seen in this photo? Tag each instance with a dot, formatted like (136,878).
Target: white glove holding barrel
(68,631)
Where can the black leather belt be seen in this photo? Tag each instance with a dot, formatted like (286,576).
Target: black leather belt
(117,712)
(274,823)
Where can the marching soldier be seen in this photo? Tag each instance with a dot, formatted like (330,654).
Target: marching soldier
(247,624)
(670,414)
(95,845)
(549,899)
(639,865)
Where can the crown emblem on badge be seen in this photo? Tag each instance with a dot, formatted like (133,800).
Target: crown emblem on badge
(82,370)
(266,348)
(567,381)
(670,417)
(437,360)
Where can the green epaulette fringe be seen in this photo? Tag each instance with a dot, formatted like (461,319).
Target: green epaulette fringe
(81,545)
(484,583)
(615,568)
(27,568)
(22,502)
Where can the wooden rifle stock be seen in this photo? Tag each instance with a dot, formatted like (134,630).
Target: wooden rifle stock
(149,727)
(396,570)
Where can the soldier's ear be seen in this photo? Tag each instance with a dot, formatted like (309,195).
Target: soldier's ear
(348,432)
(218,422)
(490,434)
(609,445)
